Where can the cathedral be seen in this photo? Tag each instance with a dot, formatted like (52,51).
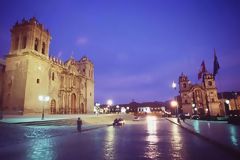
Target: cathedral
(29,74)
(200,98)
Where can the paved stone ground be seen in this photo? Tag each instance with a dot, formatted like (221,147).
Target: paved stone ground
(219,132)
(146,139)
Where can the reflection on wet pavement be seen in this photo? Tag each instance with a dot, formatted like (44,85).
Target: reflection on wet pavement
(151,139)
(109,149)
(196,126)
(42,149)
(176,142)
(233,135)
(151,149)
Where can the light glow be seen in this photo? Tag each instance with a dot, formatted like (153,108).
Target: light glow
(109,102)
(174,103)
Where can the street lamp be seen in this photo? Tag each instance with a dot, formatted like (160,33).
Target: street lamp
(175,104)
(109,103)
(206,110)
(227,101)
(117,108)
(97,107)
(43,99)
(174,85)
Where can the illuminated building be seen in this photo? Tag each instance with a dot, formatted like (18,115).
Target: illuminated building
(30,71)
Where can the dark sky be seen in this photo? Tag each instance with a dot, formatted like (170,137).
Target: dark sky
(138,47)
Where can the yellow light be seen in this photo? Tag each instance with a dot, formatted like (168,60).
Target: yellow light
(174,103)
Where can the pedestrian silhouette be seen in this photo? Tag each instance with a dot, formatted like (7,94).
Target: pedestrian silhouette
(79,124)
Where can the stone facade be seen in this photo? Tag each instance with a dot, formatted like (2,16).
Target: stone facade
(30,72)
(199,98)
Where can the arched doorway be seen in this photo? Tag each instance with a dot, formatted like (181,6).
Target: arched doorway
(53,106)
(73,103)
(82,108)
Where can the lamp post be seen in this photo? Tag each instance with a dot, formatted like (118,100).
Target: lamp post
(109,103)
(175,103)
(193,107)
(235,97)
(97,107)
(117,108)
(43,99)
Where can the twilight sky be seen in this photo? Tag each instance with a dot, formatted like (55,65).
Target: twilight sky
(138,47)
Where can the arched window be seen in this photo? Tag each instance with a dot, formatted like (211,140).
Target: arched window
(184,85)
(210,83)
(36,45)
(53,76)
(43,48)
(16,43)
(24,42)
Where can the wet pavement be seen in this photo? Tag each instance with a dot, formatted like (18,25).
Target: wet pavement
(219,131)
(150,139)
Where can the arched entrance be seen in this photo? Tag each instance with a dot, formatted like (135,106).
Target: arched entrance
(82,108)
(73,103)
(53,106)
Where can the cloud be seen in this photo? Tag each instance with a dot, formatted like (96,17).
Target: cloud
(81,41)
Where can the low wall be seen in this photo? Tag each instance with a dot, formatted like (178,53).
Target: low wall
(105,119)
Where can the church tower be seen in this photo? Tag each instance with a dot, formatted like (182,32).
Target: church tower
(87,69)
(26,67)
(29,35)
(211,94)
(184,87)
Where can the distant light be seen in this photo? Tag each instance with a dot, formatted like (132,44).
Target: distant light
(97,104)
(227,101)
(109,102)
(123,110)
(195,109)
(43,98)
(193,105)
(206,110)
(127,108)
(117,106)
(40,98)
(174,103)
(174,85)
(46,99)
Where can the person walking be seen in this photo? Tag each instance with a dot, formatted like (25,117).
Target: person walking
(79,124)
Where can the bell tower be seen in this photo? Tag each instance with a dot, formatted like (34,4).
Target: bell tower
(29,35)
(26,65)
(184,87)
(87,68)
(211,94)
(183,83)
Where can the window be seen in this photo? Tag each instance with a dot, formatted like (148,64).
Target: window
(90,94)
(38,80)
(62,81)
(185,101)
(16,43)
(53,76)
(24,43)
(36,45)
(210,83)
(43,48)
(84,70)
(184,85)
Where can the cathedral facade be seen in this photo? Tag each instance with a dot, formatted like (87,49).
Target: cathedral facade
(30,72)
(200,98)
